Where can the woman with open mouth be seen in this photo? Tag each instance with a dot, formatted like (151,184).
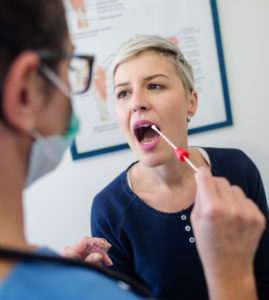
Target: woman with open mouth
(145,213)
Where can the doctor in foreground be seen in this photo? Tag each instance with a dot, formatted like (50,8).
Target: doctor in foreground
(36,126)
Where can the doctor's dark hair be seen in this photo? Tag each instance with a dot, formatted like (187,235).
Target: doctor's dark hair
(30,25)
(160,45)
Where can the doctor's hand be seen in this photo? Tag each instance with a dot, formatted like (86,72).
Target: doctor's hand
(227,228)
(89,249)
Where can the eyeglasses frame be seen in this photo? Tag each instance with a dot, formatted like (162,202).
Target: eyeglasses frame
(46,54)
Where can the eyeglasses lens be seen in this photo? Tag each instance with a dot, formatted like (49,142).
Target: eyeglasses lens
(79,74)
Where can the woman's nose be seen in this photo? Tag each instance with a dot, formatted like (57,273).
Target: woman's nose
(139,103)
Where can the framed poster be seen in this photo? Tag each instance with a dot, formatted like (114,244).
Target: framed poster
(100,27)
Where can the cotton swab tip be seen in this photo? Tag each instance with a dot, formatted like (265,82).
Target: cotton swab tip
(154,128)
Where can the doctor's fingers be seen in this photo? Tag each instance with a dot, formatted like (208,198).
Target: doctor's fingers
(211,195)
(239,206)
(244,215)
(205,187)
(250,212)
(218,201)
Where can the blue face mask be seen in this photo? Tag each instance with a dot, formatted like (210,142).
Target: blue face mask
(46,153)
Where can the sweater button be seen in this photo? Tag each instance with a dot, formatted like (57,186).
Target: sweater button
(192,240)
(187,228)
(183,217)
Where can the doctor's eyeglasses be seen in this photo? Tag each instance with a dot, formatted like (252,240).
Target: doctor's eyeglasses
(79,71)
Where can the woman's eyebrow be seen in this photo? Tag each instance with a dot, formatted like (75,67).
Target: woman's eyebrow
(146,79)
(121,84)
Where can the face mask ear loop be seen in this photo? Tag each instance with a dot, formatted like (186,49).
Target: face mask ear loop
(54,78)
(35,135)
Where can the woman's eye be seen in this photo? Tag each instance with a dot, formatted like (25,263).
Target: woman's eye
(155,86)
(121,94)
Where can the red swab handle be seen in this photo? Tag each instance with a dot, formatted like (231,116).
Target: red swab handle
(180,153)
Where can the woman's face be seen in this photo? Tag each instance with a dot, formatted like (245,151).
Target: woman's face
(148,91)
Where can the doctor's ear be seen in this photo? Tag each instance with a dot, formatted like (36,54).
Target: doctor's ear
(193,102)
(20,91)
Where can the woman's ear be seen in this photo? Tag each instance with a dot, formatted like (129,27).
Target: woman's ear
(193,102)
(19,92)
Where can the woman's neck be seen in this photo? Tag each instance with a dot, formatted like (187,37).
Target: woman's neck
(169,187)
(170,174)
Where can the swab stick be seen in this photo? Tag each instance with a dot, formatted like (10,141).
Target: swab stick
(180,153)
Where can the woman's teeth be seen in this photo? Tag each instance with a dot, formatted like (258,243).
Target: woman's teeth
(145,134)
(146,143)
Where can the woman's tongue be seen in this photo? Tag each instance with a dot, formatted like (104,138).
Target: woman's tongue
(149,136)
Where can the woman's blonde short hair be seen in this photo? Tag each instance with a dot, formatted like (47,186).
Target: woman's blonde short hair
(161,46)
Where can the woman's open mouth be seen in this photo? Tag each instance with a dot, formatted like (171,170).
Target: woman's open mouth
(146,137)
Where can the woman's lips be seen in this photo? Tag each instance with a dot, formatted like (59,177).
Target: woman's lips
(146,137)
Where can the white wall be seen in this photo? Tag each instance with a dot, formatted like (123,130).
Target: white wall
(57,207)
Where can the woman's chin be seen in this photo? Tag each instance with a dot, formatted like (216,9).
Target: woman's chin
(151,161)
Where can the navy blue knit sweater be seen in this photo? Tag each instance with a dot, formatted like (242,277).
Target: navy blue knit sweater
(159,248)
